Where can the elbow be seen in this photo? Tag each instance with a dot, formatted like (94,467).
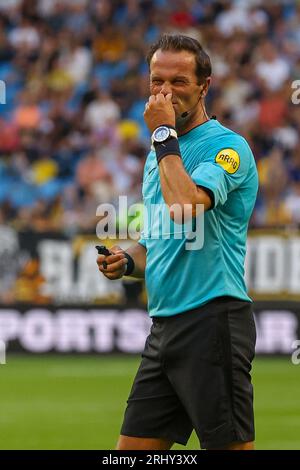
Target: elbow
(187,209)
(182,213)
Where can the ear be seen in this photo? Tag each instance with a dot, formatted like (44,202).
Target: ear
(202,93)
(205,87)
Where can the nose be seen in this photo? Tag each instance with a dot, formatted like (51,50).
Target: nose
(166,88)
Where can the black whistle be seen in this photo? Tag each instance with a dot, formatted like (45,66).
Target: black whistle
(102,250)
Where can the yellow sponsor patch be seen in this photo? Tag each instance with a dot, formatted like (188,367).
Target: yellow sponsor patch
(229,159)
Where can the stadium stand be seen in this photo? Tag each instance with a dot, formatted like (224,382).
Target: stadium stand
(72,130)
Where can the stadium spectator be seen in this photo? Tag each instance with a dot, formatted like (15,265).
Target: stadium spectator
(102,112)
(92,173)
(271,68)
(27,114)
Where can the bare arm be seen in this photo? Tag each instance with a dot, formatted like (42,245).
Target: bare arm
(117,262)
(177,186)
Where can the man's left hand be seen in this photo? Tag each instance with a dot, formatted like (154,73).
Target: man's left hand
(159,111)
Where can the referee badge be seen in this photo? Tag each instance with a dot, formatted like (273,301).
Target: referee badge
(229,160)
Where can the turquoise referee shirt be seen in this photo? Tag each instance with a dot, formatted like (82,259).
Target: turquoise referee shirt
(192,263)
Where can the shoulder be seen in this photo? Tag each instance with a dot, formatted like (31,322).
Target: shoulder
(227,137)
(229,149)
(213,136)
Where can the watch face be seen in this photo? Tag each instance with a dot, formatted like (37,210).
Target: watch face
(161,134)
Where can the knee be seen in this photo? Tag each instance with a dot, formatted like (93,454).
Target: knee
(141,443)
(237,446)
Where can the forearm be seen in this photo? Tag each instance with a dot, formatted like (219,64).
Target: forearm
(177,186)
(138,253)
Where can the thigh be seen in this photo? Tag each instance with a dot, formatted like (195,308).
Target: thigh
(142,443)
(154,410)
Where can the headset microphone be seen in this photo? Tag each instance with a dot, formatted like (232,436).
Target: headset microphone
(186,113)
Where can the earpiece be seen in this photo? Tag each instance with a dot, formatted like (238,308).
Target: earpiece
(186,113)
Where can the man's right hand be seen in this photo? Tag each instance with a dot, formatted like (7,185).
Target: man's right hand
(116,263)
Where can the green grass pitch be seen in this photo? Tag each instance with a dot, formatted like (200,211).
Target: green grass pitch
(56,402)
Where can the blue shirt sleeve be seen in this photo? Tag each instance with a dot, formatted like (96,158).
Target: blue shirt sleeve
(223,168)
(142,242)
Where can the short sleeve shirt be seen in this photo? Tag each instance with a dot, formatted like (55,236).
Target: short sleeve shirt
(192,263)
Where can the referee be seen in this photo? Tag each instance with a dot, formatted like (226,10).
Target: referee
(195,368)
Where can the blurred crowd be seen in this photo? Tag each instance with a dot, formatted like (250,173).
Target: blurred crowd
(73,87)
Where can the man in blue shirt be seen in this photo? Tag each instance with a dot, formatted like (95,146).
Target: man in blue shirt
(199,189)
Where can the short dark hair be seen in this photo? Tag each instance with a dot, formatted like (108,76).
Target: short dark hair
(178,42)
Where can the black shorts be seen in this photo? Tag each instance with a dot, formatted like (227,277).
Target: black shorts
(195,374)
